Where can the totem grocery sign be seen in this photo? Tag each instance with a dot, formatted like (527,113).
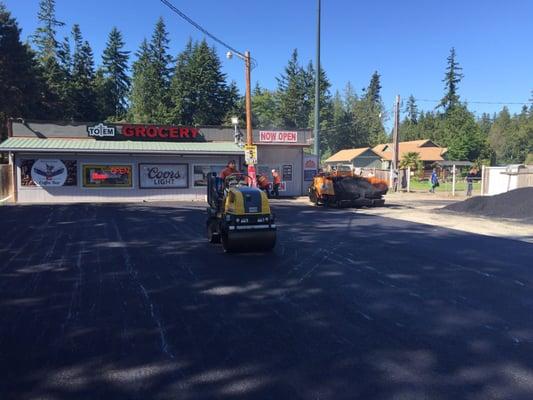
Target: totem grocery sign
(163,176)
(278,137)
(145,132)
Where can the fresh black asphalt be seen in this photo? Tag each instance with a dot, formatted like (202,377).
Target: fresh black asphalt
(131,302)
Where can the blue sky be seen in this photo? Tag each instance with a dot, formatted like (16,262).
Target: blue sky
(407,42)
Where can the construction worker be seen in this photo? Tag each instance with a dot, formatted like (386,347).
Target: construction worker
(263,183)
(230,169)
(276,180)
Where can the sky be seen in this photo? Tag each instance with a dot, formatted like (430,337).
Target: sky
(407,42)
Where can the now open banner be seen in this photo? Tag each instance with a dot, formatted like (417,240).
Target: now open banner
(278,136)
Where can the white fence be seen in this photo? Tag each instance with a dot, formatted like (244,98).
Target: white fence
(5,182)
(496,180)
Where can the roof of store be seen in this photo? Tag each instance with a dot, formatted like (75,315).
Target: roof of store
(349,154)
(427,150)
(106,146)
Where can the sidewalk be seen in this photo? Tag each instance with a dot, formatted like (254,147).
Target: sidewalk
(424,208)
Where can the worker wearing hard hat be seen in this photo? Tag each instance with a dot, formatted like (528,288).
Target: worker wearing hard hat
(263,183)
(230,169)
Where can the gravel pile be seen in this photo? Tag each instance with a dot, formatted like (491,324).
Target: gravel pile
(516,204)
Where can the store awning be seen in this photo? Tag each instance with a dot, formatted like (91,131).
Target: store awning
(37,145)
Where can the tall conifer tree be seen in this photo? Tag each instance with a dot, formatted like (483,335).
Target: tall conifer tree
(83,92)
(47,48)
(142,99)
(19,74)
(452,78)
(114,84)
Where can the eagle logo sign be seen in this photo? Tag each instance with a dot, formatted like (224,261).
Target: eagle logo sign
(49,172)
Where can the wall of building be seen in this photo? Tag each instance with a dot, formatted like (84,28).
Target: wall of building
(496,180)
(78,193)
(279,150)
(283,158)
(270,157)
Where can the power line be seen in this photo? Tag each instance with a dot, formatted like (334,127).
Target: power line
(205,31)
(481,102)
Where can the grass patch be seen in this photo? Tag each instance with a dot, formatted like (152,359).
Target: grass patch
(460,186)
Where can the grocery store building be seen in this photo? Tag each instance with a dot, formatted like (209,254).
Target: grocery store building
(103,162)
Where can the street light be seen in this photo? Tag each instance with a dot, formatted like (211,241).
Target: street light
(236,135)
(249,135)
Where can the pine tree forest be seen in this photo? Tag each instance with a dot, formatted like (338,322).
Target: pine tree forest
(62,79)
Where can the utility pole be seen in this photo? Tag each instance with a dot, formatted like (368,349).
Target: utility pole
(317,88)
(249,131)
(396,145)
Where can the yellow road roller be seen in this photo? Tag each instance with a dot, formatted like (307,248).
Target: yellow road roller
(238,215)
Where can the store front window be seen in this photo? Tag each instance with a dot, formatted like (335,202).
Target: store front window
(107,176)
(200,173)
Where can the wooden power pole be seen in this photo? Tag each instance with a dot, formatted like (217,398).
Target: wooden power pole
(249,132)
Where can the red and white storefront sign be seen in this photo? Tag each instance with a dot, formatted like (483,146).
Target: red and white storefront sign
(278,137)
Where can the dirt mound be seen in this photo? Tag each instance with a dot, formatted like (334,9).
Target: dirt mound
(517,204)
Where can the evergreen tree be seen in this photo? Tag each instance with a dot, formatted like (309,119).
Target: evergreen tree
(429,127)
(182,88)
(199,91)
(235,106)
(307,78)
(499,131)
(461,134)
(451,80)
(159,53)
(54,101)
(293,92)
(83,91)
(340,135)
(373,92)
(511,137)
(412,110)
(350,96)
(409,129)
(150,96)
(114,82)
(211,92)
(142,99)
(264,108)
(64,57)
(370,113)
(161,62)
(45,36)
(325,103)
(485,124)
(19,74)
(104,103)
